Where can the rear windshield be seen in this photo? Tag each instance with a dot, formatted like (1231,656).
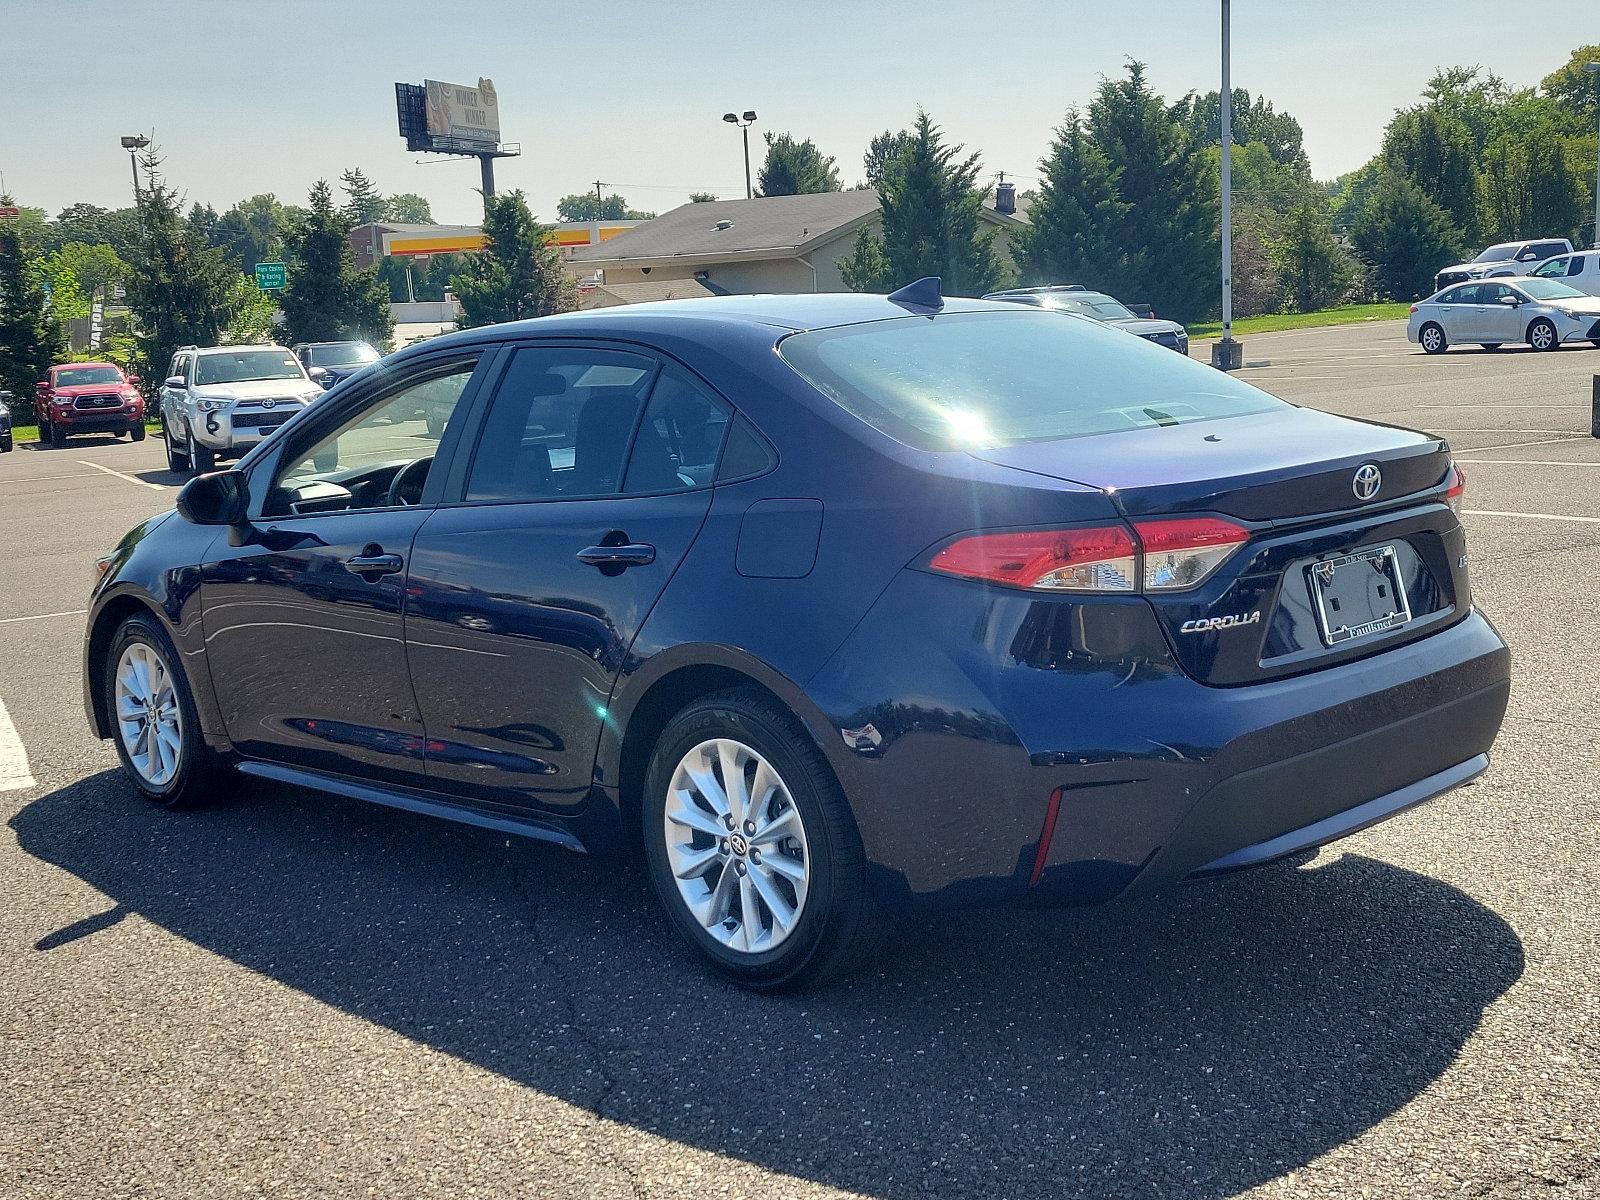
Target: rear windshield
(977,380)
(1101,308)
(342,354)
(238,366)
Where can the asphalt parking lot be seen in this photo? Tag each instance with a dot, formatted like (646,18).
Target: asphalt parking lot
(294,995)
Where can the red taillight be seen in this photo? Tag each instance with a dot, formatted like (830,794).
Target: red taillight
(1457,488)
(1413,308)
(1163,554)
(1180,552)
(1100,558)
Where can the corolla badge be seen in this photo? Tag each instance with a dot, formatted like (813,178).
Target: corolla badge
(1367,481)
(1231,621)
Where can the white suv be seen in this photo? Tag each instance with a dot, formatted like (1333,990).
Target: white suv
(1580,269)
(219,401)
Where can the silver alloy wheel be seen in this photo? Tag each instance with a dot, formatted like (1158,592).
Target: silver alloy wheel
(737,846)
(1542,336)
(149,720)
(1431,337)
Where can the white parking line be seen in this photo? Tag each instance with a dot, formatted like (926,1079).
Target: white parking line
(76,612)
(1520,445)
(1526,516)
(154,487)
(1522,462)
(47,478)
(14,772)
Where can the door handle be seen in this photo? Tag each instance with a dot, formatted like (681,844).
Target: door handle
(629,554)
(373,566)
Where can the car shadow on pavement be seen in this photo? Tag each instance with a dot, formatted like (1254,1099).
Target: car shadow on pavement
(1197,1046)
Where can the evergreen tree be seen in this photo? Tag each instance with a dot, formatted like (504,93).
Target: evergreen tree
(1313,270)
(325,298)
(517,274)
(1530,183)
(180,287)
(31,339)
(1405,237)
(1171,223)
(882,151)
(795,168)
(1077,219)
(363,204)
(1437,151)
(930,205)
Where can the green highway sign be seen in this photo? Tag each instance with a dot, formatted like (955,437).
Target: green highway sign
(269,276)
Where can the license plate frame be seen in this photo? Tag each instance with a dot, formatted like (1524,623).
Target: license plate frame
(1336,583)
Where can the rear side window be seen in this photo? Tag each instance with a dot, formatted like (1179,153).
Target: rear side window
(974,380)
(1461,295)
(679,439)
(1576,264)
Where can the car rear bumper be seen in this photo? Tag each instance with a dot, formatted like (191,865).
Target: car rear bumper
(1063,757)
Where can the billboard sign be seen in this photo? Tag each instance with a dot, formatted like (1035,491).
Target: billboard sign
(457,112)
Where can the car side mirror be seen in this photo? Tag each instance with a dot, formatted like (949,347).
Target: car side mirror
(318,373)
(42,386)
(1513,301)
(218,498)
(134,381)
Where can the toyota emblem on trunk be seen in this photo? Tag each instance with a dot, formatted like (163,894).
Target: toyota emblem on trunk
(1367,481)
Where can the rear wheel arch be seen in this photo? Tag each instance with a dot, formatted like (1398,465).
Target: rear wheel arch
(631,736)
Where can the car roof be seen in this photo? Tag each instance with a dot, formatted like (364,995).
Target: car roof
(234,349)
(789,313)
(75,365)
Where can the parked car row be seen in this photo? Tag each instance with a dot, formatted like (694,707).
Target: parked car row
(1504,259)
(1098,306)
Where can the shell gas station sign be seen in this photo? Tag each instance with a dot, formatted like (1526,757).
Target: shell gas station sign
(467,239)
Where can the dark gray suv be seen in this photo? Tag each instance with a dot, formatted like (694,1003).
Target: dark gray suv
(1098,306)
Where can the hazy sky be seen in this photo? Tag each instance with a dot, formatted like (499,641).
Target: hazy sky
(248,97)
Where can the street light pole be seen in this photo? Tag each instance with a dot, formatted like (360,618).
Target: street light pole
(1595,241)
(1227,354)
(744,121)
(133,143)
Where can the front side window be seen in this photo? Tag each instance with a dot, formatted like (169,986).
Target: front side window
(560,425)
(240,366)
(1493,293)
(1546,249)
(1550,270)
(379,458)
(978,380)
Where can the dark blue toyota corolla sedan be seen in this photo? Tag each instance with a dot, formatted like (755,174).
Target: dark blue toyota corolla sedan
(835,603)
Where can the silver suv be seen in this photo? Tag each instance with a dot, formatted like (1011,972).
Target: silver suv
(219,401)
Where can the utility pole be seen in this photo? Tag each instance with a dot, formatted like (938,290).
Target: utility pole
(599,202)
(1227,354)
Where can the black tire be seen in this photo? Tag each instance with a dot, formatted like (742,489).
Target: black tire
(839,925)
(201,777)
(58,436)
(1491,345)
(176,462)
(1594,341)
(1542,335)
(1432,339)
(201,458)
(5,444)
(137,433)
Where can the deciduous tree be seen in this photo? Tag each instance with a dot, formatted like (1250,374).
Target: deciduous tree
(31,338)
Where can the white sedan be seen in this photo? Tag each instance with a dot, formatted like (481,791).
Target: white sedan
(1542,312)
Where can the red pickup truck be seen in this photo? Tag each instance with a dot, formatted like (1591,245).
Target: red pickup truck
(88,398)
